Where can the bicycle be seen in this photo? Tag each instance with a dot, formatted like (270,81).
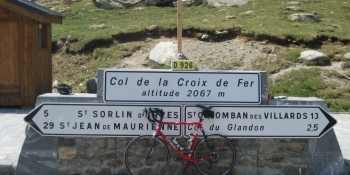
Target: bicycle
(213,154)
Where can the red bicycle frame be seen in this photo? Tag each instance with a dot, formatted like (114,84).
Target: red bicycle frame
(189,157)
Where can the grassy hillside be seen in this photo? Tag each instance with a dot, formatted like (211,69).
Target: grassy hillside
(98,39)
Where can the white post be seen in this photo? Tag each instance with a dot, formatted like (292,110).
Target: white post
(179,29)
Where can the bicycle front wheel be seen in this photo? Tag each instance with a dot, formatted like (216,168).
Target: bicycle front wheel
(147,155)
(225,158)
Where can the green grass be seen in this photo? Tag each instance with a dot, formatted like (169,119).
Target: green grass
(75,65)
(268,19)
(301,83)
(311,83)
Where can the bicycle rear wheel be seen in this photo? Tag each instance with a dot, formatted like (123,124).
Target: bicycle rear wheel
(136,153)
(226,155)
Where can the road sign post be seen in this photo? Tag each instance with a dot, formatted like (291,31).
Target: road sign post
(264,121)
(64,119)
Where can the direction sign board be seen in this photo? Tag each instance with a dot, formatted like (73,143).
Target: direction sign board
(264,121)
(64,119)
(182,86)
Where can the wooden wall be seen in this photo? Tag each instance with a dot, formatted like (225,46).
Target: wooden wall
(34,63)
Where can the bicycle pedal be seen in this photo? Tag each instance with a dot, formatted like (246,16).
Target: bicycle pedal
(183,163)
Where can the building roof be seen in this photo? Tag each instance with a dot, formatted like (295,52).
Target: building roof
(33,10)
(36,8)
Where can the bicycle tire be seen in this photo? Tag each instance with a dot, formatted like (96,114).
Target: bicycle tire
(226,156)
(139,148)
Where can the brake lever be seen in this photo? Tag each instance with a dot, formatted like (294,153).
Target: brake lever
(147,114)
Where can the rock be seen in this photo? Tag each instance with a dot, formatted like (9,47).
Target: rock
(247,13)
(151,2)
(152,27)
(220,32)
(105,171)
(188,3)
(69,171)
(278,158)
(60,43)
(347,56)
(269,147)
(164,53)
(62,141)
(64,162)
(298,160)
(303,17)
(312,55)
(67,153)
(220,3)
(115,163)
(289,170)
(156,2)
(99,146)
(137,9)
(230,17)
(89,172)
(347,165)
(114,4)
(204,37)
(337,57)
(86,155)
(294,8)
(91,86)
(294,3)
(267,50)
(98,26)
(54,84)
(292,147)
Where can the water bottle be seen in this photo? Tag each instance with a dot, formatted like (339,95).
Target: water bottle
(190,140)
(177,144)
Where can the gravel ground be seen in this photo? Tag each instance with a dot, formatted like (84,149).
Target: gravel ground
(236,53)
(207,55)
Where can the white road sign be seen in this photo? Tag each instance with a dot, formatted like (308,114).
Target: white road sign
(52,119)
(182,86)
(263,121)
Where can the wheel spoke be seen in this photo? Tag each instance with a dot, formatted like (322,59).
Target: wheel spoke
(225,155)
(137,151)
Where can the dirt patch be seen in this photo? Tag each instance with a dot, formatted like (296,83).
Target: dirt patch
(233,54)
(238,54)
(193,33)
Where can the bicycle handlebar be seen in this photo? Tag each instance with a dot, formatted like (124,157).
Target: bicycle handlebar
(147,112)
(155,112)
(206,112)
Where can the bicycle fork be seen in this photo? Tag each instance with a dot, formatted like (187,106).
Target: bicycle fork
(213,154)
(152,148)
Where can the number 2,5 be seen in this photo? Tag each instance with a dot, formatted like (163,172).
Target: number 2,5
(314,128)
